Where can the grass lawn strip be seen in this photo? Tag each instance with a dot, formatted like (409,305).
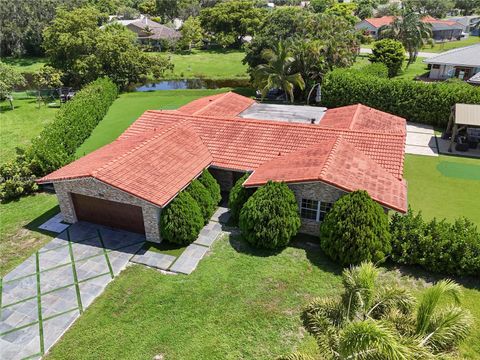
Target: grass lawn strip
(39,305)
(106,254)
(75,279)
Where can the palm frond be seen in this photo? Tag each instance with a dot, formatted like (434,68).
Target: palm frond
(430,300)
(295,356)
(391,297)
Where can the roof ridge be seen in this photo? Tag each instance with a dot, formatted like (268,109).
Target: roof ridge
(355,116)
(166,128)
(330,156)
(211,102)
(279,123)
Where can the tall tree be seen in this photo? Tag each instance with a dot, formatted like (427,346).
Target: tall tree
(278,73)
(192,33)
(75,44)
(467,7)
(410,30)
(9,79)
(435,8)
(374,320)
(229,22)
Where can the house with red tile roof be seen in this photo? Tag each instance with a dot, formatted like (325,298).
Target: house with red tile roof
(442,30)
(126,183)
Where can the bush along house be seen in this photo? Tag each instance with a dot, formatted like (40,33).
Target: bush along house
(126,183)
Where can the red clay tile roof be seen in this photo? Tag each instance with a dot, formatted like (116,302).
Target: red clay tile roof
(378,22)
(227,104)
(338,163)
(153,169)
(361,117)
(162,151)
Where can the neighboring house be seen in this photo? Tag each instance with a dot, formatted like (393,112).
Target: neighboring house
(128,182)
(150,32)
(442,30)
(462,63)
(470,23)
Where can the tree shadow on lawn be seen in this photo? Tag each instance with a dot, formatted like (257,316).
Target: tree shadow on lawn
(418,273)
(301,241)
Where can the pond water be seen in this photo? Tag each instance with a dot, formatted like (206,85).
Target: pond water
(193,84)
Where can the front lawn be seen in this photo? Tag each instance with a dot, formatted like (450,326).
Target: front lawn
(19,219)
(129,106)
(19,126)
(444,186)
(208,64)
(449,45)
(240,303)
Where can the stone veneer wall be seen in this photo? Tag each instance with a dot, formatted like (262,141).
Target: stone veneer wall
(314,191)
(95,188)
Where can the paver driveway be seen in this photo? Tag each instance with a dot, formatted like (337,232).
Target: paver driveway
(44,295)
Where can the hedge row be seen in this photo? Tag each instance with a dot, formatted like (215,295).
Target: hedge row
(427,103)
(437,246)
(57,143)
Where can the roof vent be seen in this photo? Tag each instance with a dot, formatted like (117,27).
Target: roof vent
(312,121)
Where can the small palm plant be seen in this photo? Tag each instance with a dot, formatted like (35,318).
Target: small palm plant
(374,321)
(277,72)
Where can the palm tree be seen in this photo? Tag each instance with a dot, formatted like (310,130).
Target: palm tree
(375,321)
(410,30)
(277,72)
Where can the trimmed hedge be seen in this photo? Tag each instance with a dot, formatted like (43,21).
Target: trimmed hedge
(427,103)
(237,198)
(437,246)
(269,219)
(181,220)
(203,198)
(58,141)
(355,230)
(212,186)
(73,124)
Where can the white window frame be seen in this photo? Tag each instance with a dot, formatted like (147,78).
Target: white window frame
(318,211)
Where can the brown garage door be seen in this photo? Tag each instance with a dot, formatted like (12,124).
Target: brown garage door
(109,213)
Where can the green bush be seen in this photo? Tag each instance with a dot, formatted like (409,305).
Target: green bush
(58,141)
(389,52)
(438,246)
(237,198)
(269,218)
(355,230)
(203,198)
(374,69)
(427,103)
(181,220)
(212,186)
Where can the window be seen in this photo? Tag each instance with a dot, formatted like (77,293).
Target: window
(436,66)
(314,210)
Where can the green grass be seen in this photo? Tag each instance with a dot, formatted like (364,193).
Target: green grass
(165,247)
(25,64)
(19,126)
(240,303)
(19,237)
(209,65)
(441,47)
(444,186)
(129,106)
(415,69)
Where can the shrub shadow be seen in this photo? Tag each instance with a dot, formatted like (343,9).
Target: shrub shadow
(35,223)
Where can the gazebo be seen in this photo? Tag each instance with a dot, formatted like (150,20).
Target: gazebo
(464,119)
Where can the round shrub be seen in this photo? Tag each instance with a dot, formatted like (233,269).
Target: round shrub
(237,198)
(356,229)
(269,218)
(203,198)
(389,52)
(181,221)
(212,186)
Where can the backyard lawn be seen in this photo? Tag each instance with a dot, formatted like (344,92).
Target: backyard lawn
(25,64)
(415,69)
(19,126)
(240,303)
(441,47)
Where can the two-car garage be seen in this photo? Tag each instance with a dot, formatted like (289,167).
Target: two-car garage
(109,213)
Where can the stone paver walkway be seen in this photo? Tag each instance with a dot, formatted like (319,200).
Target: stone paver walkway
(43,296)
(421,140)
(187,262)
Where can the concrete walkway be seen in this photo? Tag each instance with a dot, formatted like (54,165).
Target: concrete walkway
(187,262)
(43,296)
(421,54)
(421,140)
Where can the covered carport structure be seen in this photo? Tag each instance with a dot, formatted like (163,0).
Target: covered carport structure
(464,127)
